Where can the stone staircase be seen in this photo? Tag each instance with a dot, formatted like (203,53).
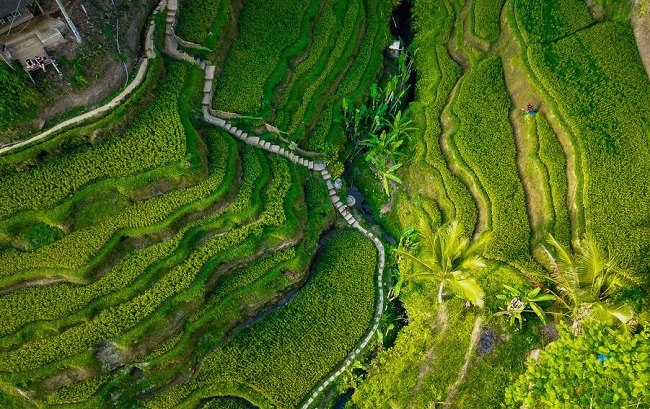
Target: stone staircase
(171,47)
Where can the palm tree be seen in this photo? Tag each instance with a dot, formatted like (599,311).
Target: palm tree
(451,259)
(585,282)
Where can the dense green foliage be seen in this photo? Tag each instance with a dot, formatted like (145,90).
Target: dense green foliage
(599,82)
(442,194)
(596,369)
(486,17)
(552,156)
(469,157)
(482,104)
(253,57)
(548,21)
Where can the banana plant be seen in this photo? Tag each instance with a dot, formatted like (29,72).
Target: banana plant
(387,175)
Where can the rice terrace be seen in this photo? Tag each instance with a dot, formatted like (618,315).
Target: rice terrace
(327,204)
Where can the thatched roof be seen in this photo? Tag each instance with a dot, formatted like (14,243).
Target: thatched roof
(9,6)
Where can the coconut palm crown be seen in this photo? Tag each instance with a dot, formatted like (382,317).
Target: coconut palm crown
(585,282)
(449,258)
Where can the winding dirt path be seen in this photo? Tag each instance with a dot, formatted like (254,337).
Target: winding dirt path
(476,332)
(641,26)
(121,97)
(570,143)
(532,172)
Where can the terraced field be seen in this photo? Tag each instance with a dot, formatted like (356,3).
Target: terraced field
(183,248)
(158,244)
(481,158)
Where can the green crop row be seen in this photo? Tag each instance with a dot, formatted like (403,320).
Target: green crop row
(597,79)
(552,156)
(286,353)
(253,286)
(486,16)
(233,306)
(200,18)
(326,29)
(77,392)
(155,139)
(363,70)
(337,55)
(243,278)
(336,65)
(485,141)
(43,303)
(79,247)
(113,321)
(437,75)
(212,323)
(550,20)
(266,29)
(227,403)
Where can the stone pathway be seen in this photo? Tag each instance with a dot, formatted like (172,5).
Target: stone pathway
(171,48)
(139,77)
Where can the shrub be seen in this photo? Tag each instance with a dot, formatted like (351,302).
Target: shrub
(18,99)
(596,369)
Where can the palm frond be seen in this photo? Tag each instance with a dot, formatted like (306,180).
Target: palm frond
(469,290)
(472,263)
(564,261)
(478,245)
(429,269)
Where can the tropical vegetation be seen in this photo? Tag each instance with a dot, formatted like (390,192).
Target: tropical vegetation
(150,258)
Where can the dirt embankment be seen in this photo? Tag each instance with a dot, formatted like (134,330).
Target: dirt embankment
(641,24)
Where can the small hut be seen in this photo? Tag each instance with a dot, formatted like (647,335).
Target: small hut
(394,49)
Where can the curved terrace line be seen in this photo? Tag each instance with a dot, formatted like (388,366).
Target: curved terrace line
(171,48)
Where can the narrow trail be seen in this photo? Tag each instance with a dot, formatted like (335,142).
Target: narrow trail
(532,172)
(641,26)
(171,48)
(440,326)
(576,178)
(121,97)
(476,332)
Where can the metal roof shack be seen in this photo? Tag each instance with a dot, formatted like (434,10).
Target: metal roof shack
(27,31)
(15,12)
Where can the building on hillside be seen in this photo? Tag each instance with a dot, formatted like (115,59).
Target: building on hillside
(28,28)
